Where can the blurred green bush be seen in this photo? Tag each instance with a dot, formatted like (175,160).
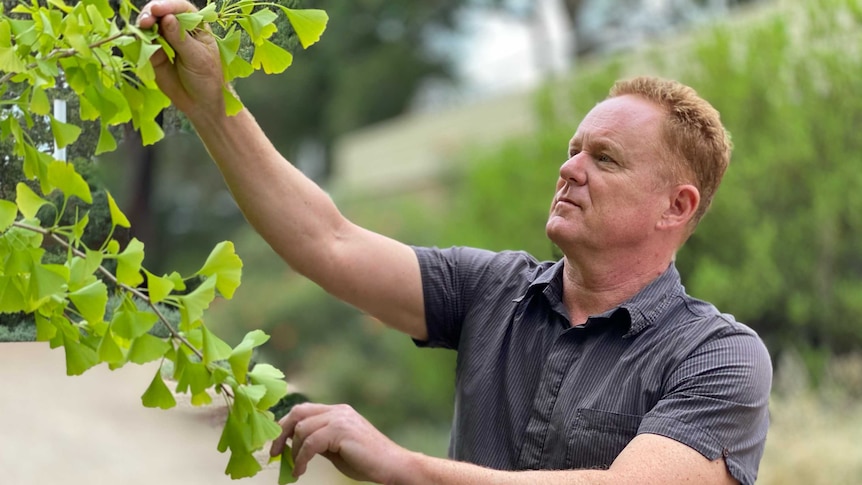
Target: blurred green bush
(782,245)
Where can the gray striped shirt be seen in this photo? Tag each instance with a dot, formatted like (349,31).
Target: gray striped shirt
(534,392)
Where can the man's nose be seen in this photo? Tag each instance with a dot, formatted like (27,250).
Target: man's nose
(574,169)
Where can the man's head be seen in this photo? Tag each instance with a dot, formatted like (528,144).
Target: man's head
(640,171)
(698,145)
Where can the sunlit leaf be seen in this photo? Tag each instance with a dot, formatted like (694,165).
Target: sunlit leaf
(242,465)
(91,301)
(215,349)
(272,58)
(158,287)
(28,202)
(157,394)
(240,356)
(308,24)
(263,428)
(231,103)
(191,376)
(285,469)
(189,20)
(208,13)
(129,264)
(106,142)
(79,357)
(117,216)
(46,280)
(130,323)
(147,348)
(273,380)
(201,399)
(9,60)
(64,133)
(64,177)
(226,266)
(194,303)
(45,330)
(39,103)
(80,226)
(109,351)
(11,298)
(8,213)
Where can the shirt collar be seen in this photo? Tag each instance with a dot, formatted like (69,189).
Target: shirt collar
(643,308)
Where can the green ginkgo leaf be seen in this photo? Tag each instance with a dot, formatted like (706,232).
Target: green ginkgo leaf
(272,58)
(226,266)
(130,323)
(157,394)
(158,287)
(285,469)
(64,177)
(10,61)
(39,103)
(117,216)
(273,380)
(28,202)
(231,103)
(191,376)
(8,213)
(64,133)
(109,351)
(189,20)
(209,13)
(194,303)
(240,356)
(12,299)
(215,349)
(46,281)
(263,428)
(79,357)
(147,348)
(242,465)
(129,263)
(91,301)
(107,142)
(308,24)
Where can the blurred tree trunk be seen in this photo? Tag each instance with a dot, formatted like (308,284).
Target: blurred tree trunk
(142,165)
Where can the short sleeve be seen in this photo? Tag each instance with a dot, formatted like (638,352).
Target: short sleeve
(451,278)
(717,402)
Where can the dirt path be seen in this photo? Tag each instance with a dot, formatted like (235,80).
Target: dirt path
(93,430)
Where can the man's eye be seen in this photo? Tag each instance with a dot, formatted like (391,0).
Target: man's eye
(572,153)
(605,159)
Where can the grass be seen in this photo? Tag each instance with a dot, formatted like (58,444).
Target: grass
(815,433)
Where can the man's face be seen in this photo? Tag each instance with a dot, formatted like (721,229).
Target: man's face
(610,193)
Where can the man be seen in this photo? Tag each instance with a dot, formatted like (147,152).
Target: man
(594,369)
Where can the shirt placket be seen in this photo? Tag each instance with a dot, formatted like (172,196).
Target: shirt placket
(563,355)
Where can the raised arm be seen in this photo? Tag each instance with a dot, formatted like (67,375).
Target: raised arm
(296,217)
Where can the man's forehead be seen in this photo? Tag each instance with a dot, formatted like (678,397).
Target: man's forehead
(616,116)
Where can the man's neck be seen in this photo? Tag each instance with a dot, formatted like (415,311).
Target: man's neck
(591,287)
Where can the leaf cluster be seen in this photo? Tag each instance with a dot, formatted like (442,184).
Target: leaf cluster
(87,297)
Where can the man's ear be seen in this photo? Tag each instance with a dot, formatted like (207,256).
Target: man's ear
(683,201)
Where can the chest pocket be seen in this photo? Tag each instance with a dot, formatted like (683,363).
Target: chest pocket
(597,437)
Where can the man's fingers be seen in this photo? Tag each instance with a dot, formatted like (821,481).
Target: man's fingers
(153,11)
(288,423)
(312,436)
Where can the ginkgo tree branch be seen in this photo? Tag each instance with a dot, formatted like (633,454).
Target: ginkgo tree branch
(108,69)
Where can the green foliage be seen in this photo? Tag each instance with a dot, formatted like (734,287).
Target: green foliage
(780,246)
(87,295)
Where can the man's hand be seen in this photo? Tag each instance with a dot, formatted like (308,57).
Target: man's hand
(344,437)
(194,81)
